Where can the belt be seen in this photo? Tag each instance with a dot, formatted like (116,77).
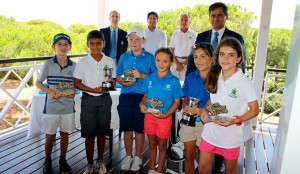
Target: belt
(102,95)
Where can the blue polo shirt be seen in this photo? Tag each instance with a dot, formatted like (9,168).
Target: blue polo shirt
(55,74)
(166,89)
(194,87)
(144,63)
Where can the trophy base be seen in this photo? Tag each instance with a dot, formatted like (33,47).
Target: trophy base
(65,93)
(153,111)
(128,79)
(216,118)
(108,86)
(188,120)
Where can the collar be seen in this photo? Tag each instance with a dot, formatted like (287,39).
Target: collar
(111,28)
(169,75)
(221,31)
(70,63)
(234,77)
(90,57)
(147,29)
(189,30)
(143,53)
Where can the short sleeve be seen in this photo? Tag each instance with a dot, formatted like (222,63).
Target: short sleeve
(145,85)
(250,94)
(78,72)
(119,69)
(172,42)
(44,72)
(152,65)
(186,86)
(177,90)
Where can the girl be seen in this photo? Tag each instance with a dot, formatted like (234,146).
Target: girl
(194,87)
(234,90)
(167,89)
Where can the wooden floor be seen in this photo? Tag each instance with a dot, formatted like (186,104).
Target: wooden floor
(18,155)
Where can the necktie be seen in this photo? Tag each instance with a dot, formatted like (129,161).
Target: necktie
(112,52)
(215,40)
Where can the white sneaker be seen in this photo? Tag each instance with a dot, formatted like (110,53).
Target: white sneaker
(136,165)
(100,166)
(89,169)
(152,172)
(127,164)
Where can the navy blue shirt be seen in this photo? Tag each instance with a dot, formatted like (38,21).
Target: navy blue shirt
(166,89)
(144,63)
(194,87)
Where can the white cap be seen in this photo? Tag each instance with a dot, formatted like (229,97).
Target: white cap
(137,30)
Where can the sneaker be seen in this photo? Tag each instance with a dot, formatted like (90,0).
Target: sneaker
(89,169)
(136,164)
(127,164)
(152,172)
(100,167)
(47,166)
(64,166)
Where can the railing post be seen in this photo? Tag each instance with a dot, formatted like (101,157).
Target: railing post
(264,97)
(35,74)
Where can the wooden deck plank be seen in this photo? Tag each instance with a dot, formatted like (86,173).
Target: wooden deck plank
(250,165)
(262,167)
(273,132)
(241,160)
(268,145)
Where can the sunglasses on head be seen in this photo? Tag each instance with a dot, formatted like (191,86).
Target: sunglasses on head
(204,45)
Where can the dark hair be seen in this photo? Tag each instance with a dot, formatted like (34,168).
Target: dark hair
(152,13)
(206,47)
(165,50)
(95,34)
(212,77)
(213,6)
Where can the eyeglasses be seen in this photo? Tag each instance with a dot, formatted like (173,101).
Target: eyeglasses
(204,45)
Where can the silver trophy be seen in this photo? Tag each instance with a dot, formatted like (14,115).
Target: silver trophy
(107,85)
(154,102)
(64,89)
(129,74)
(190,119)
(216,112)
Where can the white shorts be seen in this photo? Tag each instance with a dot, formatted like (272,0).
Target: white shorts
(179,75)
(65,123)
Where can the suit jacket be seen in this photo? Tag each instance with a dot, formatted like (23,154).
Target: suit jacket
(206,37)
(122,43)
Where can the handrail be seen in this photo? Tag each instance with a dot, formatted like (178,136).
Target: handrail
(28,59)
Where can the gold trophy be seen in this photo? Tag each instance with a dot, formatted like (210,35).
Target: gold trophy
(216,112)
(64,88)
(129,74)
(154,102)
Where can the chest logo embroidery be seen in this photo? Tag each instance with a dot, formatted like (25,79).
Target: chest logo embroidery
(150,84)
(233,93)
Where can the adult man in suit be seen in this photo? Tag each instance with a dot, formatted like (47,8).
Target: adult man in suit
(115,38)
(217,17)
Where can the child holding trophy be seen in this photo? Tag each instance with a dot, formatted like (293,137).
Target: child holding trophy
(161,99)
(230,87)
(59,105)
(190,134)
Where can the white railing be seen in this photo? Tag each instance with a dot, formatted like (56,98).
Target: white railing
(13,95)
(267,94)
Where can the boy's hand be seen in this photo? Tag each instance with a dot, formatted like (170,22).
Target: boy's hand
(99,90)
(137,73)
(72,95)
(204,113)
(191,110)
(143,109)
(54,94)
(127,83)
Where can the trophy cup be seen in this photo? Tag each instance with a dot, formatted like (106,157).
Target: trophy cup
(189,119)
(129,74)
(154,102)
(64,88)
(216,112)
(107,85)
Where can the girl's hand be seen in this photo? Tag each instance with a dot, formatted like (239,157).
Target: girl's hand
(143,108)
(191,110)
(204,113)
(160,115)
(54,94)
(230,121)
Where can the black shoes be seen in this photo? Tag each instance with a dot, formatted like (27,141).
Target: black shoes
(219,167)
(64,167)
(47,166)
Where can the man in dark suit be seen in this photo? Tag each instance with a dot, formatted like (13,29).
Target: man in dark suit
(217,17)
(116,44)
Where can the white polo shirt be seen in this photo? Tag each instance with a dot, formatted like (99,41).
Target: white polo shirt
(236,92)
(155,39)
(91,72)
(183,42)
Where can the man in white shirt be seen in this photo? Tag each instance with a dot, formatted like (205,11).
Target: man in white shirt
(181,44)
(155,37)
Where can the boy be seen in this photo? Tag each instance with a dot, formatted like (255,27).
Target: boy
(58,110)
(131,119)
(96,104)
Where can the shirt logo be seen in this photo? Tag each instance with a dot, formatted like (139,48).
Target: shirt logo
(70,73)
(190,37)
(233,93)
(150,84)
(168,87)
